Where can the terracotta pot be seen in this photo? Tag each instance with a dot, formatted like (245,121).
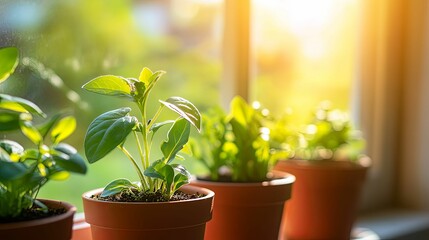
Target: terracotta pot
(55,227)
(325,199)
(149,220)
(81,229)
(247,210)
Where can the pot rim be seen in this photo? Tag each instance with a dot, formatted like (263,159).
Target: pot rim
(207,192)
(277,178)
(70,210)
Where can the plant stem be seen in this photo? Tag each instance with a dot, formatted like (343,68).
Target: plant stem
(136,166)
(153,120)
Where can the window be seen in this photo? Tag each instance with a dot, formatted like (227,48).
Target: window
(364,56)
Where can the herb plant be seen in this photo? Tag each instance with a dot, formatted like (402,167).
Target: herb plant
(329,135)
(237,144)
(23,171)
(110,130)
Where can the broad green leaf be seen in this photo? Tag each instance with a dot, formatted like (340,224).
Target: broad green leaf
(69,159)
(18,104)
(11,170)
(110,85)
(9,58)
(9,121)
(178,136)
(117,186)
(63,129)
(107,132)
(153,170)
(145,75)
(31,132)
(185,109)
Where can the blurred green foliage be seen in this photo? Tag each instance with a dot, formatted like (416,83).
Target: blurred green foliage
(66,43)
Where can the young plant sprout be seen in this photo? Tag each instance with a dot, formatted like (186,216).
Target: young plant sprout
(109,131)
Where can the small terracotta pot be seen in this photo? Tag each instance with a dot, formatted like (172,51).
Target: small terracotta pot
(149,220)
(55,227)
(325,199)
(247,210)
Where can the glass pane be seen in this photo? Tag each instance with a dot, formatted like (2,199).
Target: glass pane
(64,44)
(304,52)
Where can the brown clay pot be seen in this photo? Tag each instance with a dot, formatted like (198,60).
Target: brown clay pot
(325,199)
(55,227)
(149,220)
(247,210)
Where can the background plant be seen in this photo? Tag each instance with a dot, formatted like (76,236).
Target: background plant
(329,135)
(23,171)
(109,131)
(238,143)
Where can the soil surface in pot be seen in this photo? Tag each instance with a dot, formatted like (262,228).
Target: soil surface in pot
(137,196)
(33,213)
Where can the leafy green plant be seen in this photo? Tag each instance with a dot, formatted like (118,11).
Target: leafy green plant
(110,130)
(23,171)
(237,144)
(329,135)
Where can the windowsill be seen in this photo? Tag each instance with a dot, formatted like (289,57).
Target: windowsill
(397,224)
(394,224)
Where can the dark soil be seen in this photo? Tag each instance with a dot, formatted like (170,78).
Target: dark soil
(147,197)
(33,213)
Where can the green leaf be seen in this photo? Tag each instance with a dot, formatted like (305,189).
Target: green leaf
(182,177)
(241,111)
(18,104)
(31,132)
(145,75)
(157,126)
(159,169)
(11,170)
(117,186)
(9,121)
(178,136)
(60,176)
(69,159)
(107,132)
(47,126)
(153,79)
(110,85)
(185,109)
(63,129)
(9,58)
(153,170)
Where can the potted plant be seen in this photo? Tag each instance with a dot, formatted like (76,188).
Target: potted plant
(151,208)
(235,149)
(330,170)
(25,170)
